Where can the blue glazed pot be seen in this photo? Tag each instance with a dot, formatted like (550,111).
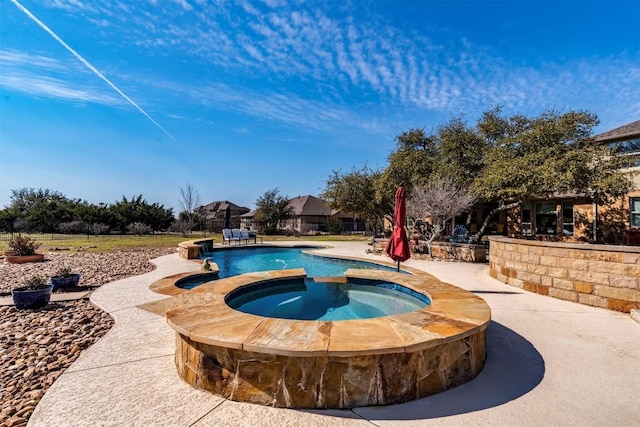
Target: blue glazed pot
(65,281)
(30,299)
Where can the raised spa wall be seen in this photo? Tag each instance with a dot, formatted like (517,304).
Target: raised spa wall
(316,364)
(597,275)
(190,249)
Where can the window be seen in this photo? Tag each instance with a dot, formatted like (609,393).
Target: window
(567,218)
(526,220)
(546,218)
(628,148)
(634,205)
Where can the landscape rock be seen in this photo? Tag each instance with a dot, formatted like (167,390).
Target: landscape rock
(37,346)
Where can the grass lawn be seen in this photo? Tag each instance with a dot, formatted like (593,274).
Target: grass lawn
(117,242)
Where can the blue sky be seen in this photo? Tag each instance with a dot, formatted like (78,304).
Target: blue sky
(101,99)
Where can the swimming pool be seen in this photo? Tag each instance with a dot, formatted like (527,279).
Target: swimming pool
(239,261)
(326,301)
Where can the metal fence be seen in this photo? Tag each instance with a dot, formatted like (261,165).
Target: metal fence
(6,236)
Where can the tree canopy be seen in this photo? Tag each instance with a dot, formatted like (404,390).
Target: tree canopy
(45,210)
(358,192)
(504,160)
(272,209)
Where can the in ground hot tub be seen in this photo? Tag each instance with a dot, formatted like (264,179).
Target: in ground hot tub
(329,363)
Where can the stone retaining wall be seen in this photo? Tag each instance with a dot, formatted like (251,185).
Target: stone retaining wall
(597,275)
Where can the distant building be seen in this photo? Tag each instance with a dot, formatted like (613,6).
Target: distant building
(311,214)
(214,214)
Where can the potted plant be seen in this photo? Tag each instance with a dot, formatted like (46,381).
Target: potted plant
(24,250)
(35,293)
(65,278)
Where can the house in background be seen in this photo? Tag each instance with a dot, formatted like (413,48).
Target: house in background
(574,217)
(311,214)
(214,213)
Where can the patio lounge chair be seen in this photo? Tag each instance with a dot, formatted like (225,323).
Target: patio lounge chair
(244,235)
(228,236)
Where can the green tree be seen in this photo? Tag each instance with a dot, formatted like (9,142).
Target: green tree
(545,156)
(43,209)
(137,210)
(271,210)
(412,162)
(359,192)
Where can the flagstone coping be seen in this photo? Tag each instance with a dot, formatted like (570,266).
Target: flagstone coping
(203,316)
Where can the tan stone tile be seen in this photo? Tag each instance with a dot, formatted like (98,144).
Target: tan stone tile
(290,337)
(230,333)
(362,337)
(474,311)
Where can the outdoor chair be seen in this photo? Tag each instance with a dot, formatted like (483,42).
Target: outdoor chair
(459,235)
(228,236)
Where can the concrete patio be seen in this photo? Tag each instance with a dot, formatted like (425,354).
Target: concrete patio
(549,362)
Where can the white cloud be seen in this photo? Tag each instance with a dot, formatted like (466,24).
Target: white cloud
(346,56)
(49,87)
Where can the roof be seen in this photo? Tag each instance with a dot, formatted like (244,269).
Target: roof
(221,206)
(309,206)
(622,133)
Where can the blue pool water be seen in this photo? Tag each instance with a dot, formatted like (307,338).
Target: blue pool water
(239,261)
(310,300)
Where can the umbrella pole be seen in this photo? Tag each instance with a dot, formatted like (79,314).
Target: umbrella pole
(398,265)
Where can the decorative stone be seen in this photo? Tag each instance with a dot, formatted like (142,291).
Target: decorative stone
(340,364)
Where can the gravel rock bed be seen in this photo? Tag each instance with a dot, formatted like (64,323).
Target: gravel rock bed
(96,268)
(36,346)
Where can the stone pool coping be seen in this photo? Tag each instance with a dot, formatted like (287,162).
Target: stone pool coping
(203,316)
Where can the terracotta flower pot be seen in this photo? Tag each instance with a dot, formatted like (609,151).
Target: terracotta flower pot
(20,259)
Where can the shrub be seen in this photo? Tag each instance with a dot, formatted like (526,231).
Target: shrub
(290,232)
(34,282)
(23,245)
(63,272)
(183,226)
(139,228)
(334,225)
(73,227)
(100,228)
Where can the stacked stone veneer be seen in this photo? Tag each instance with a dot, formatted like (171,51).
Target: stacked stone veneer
(191,248)
(326,381)
(597,275)
(326,364)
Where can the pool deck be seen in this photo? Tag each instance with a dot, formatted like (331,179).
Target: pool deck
(549,362)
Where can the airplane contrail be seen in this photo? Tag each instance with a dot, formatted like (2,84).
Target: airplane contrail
(87,64)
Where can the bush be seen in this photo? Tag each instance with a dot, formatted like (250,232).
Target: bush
(23,245)
(139,228)
(63,272)
(33,283)
(100,228)
(183,226)
(73,227)
(289,232)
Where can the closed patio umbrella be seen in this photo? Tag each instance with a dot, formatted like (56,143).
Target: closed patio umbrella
(227,217)
(398,245)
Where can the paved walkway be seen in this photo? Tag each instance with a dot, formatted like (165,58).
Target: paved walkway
(549,363)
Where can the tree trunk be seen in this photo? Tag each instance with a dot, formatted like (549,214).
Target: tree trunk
(468,220)
(476,238)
